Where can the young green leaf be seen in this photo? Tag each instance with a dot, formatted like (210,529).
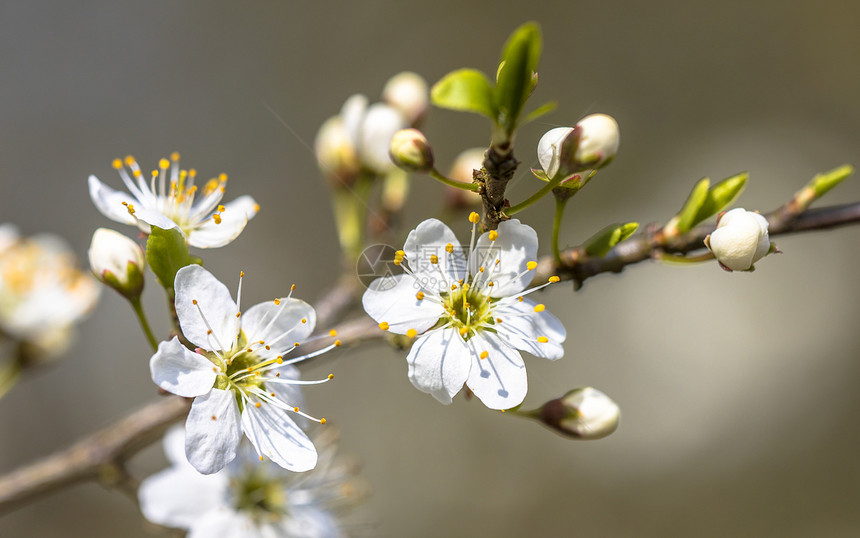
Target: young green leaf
(515,79)
(545,108)
(167,253)
(467,90)
(822,183)
(684,220)
(603,241)
(720,196)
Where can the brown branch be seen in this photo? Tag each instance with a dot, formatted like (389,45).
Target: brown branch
(577,266)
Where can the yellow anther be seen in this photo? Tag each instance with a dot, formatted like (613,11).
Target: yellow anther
(154,173)
(449,248)
(211,185)
(332,333)
(193,301)
(258,405)
(214,417)
(498,320)
(279,359)
(129,160)
(491,283)
(222,177)
(453,287)
(434,259)
(293,287)
(474,218)
(553,279)
(272,394)
(117,163)
(296,344)
(217,218)
(398,261)
(411,333)
(209,331)
(296,409)
(338,343)
(520,299)
(241,274)
(531,266)
(214,369)
(322,421)
(192,172)
(384,325)
(493,235)
(277,302)
(540,308)
(400,253)
(256,207)
(136,173)
(221,208)
(331,376)
(238,314)
(542,339)
(261,458)
(304,320)
(262,342)
(174,156)
(485,354)
(463,331)
(163,163)
(268,348)
(420,295)
(481,269)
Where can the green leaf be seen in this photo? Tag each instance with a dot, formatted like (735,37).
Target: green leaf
(167,253)
(545,108)
(465,89)
(540,174)
(684,221)
(515,79)
(720,196)
(822,183)
(603,241)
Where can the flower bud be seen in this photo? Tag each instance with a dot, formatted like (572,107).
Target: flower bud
(335,153)
(463,171)
(591,144)
(410,150)
(408,93)
(117,261)
(740,240)
(584,413)
(378,126)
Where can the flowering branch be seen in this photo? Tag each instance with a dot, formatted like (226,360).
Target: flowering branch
(653,242)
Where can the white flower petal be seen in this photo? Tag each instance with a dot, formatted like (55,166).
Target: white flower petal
(146,218)
(212,431)
(110,202)
(275,436)
(174,446)
(394,300)
(235,216)
(309,522)
(439,364)
(521,326)
(515,246)
(279,326)
(226,523)
(500,379)
(194,283)
(352,113)
(430,239)
(548,149)
(179,371)
(180,496)
(378,126)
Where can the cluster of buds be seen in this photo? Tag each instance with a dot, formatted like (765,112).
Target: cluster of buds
(358,138)
(740,240)
(590,144)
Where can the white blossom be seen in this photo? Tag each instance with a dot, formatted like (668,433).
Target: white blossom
(170,199)
(239,377)
(467,311)
(740,240)
(248,498)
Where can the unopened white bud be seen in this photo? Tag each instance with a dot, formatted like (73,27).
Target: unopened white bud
(408,93)
(591,144)
(410,150)
(584,413)
(335,152)
(740,239)
(117,261)
(380,123)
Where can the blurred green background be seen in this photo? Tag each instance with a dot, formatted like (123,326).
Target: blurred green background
(738,392)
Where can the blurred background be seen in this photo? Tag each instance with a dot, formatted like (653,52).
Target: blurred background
(738,391)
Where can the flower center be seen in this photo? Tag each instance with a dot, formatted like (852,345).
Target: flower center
(260,496)
(467,309)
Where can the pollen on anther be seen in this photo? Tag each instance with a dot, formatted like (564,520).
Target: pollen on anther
(241,274)
(163,163)
(420,295)
(208,331)
(214,369)
(272,394)
(411,333)
(221,209)
(331,376)
(449,248)
(531,266)
(277,302)
(261,458)
(214,417)
(463,331)
(542,339)
(117,163)
(258,405)
(434,259)
(217,218)
(304,320)
(384,325)
(194,301)
(296,344)
(474,218)
(295,409)
(293,287)
(338,343)
(238,314)
(493,235)
(540,308)
(481,269)
(332,333)
(520,298)
(485,354)
(267,347)
(279,359)
(174,156)
(498,320)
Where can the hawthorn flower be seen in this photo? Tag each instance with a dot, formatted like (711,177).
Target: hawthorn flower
(467,311)
(170,199)
(42,292)
(740,240)
(249,498)
(239,377)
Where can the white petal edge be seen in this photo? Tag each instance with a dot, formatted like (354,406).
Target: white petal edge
(212,431)
(109,201)
(428,239)
(439,363)
(179,371)
(521,326)
(235,216)
(499,380)
(194,283)
(275,436)
(515,246)
(179,496)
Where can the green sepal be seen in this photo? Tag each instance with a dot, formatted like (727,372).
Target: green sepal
(467,90)
(685,219)
(822,183)
(603,241)
(167,253)
(540,174)
(516,77)
(131,287)
(721,196)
